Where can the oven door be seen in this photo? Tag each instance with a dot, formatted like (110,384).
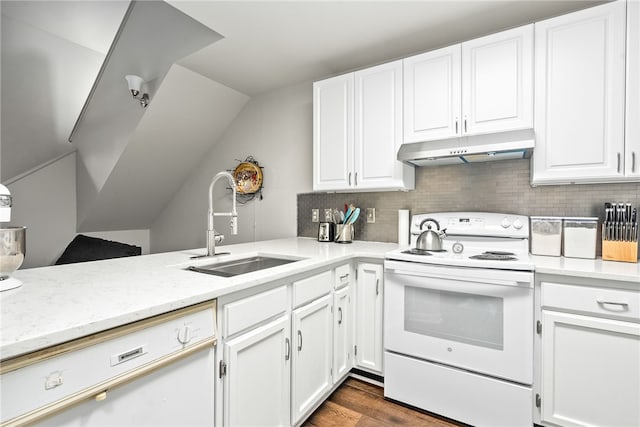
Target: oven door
(475,319)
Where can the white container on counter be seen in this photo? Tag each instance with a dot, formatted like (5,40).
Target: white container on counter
(546,235)
(580,235)
(403,228)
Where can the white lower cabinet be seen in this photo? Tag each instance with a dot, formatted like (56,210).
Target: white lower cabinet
(591,371)
(285,349)
(258,369)
(312,355)
(368,318)
(342,333)
(589,356)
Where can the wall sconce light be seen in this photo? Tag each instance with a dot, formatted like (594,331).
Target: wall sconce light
(135,86)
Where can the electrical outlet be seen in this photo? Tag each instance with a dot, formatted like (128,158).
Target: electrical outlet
(315,215)
(371,215)
(328,215)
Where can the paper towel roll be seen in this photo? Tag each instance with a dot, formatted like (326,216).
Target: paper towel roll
(403,228)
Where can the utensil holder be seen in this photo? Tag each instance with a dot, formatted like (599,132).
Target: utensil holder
(619,251)
(344,233)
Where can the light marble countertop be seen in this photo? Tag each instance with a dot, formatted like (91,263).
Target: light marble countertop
(61,303)
(588,268)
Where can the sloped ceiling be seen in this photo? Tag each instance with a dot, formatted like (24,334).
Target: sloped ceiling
(188,115)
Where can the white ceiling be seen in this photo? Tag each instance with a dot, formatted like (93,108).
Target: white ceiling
(270,44)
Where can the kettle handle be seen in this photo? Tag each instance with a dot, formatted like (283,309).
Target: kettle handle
(432,220)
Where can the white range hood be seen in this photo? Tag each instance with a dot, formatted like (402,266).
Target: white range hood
(469,149)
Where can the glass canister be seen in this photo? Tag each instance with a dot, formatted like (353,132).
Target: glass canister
(580,235)
(546,235)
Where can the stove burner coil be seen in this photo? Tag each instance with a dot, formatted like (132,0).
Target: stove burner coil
(495,256)
(415,251)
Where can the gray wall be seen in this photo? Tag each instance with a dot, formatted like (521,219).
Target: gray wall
(501,186)
(276,129)
(45,81)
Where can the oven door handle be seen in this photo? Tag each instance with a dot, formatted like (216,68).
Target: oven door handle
(506,278)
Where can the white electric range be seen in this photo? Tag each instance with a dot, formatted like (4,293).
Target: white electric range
(459,323)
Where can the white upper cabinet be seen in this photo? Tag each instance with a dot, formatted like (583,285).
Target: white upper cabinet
(432,102)
(481,86)
(497,82)
(632,135)
(357,130)
(378,129)
(333,133)
(580,96)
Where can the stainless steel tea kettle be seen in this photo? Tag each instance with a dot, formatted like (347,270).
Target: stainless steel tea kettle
(429,239)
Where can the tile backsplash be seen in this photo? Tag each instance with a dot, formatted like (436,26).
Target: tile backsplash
(501,186)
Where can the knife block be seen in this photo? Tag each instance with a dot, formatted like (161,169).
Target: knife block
(613,250)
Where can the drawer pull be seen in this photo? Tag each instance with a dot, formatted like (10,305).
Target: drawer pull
(344,276)
(623,305)
(299,340)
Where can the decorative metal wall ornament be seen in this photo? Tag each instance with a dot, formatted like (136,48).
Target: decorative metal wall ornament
(248,177)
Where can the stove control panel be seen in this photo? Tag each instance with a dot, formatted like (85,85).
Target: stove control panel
(476,224)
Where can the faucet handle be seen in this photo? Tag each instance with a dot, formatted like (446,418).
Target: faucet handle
(234,224)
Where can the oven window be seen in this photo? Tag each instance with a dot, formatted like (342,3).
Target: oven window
(467,318)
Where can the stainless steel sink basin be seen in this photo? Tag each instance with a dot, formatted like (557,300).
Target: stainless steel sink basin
(241,266)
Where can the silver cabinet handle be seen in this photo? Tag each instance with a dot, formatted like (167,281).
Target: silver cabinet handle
(299,340)
(633,161)
(344,276)
(456,125)
(287,354)
(340,313)
(349,178)
(465,125)
(620,304)
(377,286)
(355,181)
(618,162)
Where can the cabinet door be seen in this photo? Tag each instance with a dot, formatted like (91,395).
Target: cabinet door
(497,82)
(579,96)
(257,382)
(342,333)
(312,353)
(632,136)
(590,371)
(333,133)
(368,353)
(378,128)
(432,102)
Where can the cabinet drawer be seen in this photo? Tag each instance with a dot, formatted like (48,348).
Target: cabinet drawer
(342,276)
(313,287)
(613,303)
(248,312)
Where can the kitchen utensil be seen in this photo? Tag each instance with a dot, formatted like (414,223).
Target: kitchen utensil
(430,239)
(12,252)
(354,216)
(347,215)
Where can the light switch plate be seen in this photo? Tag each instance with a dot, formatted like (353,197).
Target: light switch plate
(315,215)
(371,215)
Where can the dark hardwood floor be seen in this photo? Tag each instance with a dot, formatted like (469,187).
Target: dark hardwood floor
(359,404)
